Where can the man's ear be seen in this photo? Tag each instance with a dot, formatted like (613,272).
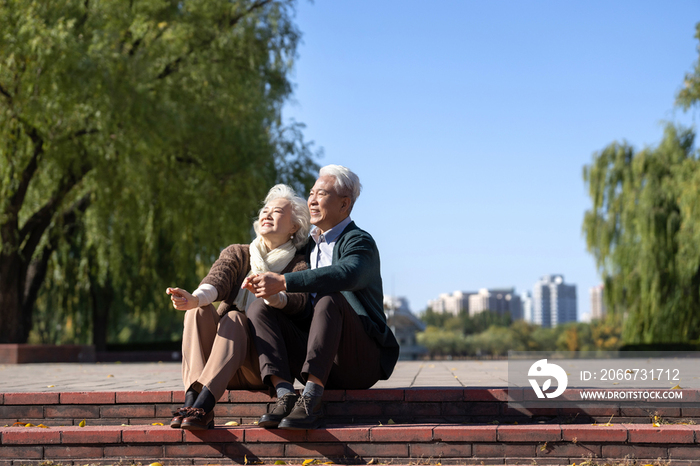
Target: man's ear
(345,206)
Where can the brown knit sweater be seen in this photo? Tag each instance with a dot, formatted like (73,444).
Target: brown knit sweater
(232,266)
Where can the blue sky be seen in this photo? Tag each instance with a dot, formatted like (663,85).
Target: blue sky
(469,123)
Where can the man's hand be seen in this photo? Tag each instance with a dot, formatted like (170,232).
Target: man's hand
(265,284)
(182,300)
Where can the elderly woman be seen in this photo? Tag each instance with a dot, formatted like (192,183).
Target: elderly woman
(217,350)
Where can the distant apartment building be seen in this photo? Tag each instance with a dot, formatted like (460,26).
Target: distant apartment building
(451,303)
(526,306)
(500,301)
(553,301)
(598,309)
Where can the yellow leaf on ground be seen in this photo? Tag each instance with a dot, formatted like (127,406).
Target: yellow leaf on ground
(390,421)
(18,424)
(109,375)
(29,424)
(677,387)
(82,423)
(307,462)
(157,424)
(155,464)
(280,462)
(656,424)
(233,423)
(43,426)
(50,386)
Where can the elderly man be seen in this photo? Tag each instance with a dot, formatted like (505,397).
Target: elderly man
(344,342)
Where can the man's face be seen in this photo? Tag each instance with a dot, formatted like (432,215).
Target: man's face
(327,207)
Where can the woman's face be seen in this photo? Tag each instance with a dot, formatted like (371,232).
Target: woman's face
(276,222)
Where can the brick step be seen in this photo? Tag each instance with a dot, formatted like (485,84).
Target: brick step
(420,405)
(674,445)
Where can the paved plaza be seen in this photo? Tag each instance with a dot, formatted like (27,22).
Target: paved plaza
(152,376)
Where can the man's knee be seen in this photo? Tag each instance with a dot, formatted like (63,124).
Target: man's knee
(331,302)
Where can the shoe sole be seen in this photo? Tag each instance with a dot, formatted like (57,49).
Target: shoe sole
(175,425)
(289,426)
(197,427)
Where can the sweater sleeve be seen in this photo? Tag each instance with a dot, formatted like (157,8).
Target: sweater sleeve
(348,273)
(226,271)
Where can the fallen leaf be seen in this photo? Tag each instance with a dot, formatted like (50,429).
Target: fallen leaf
(109,375)
(677,387)
(306,462)
(18,424)
(43,426)
(29,424)
(155,464)
(157,424)
(232,423)
(390,421)
(50,386)
(656,424)
(279,462)
(82,423)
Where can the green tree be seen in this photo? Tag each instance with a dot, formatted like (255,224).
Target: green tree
(642,232)
(136,140)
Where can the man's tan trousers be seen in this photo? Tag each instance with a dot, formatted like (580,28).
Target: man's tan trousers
(217,352)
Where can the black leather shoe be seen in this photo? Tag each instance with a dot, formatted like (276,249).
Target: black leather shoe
(178,415)
(281,409)
(307,414)
(198,419)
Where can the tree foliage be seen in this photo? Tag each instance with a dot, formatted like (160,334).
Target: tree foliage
(136,140)
(498,339)
(641,230)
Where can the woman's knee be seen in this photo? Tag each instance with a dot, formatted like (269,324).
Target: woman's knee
(258,311)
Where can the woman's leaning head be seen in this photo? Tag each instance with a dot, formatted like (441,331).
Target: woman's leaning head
(284,215)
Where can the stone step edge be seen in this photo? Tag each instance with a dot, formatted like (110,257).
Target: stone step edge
(432,394)
(398,433)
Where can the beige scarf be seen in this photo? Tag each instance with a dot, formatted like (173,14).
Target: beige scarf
(263,260)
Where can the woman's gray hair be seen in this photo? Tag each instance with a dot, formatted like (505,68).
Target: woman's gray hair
(346,182)
(300,212)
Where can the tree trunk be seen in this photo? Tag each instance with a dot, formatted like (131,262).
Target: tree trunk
(101,303)
(12,322)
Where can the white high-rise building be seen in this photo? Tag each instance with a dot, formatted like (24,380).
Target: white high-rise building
(452,303)
(526,300)
(598,309)
(553,301)
(499,301)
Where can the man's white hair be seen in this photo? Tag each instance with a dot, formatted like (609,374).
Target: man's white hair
(346,182)
(300,212)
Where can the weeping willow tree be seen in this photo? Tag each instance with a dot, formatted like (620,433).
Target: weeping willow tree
(641,232)
(136,140)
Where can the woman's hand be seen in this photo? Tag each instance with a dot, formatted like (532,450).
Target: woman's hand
(182,300)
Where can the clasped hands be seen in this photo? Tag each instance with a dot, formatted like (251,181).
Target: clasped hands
(264,285)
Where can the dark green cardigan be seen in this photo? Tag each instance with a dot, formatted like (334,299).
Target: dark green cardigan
(354,272)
